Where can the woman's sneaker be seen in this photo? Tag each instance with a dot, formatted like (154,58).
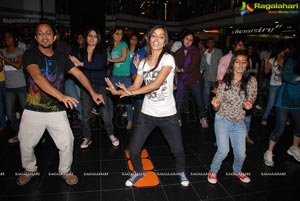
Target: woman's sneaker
(268,158)
(183,180)
(86,143)
(114,140)
(243,177)
(13,140)
(136,177)
(295,152)
(212,177)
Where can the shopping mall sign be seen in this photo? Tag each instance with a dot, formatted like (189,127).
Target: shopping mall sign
(271,30)
(271,8)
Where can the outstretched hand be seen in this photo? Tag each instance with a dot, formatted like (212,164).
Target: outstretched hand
(110,87)
(75,61)
(125,92)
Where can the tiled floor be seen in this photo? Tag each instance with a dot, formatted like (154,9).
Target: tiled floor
(102,158)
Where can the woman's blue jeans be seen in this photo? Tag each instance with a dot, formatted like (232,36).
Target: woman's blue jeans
(229,132)
(273,90)
(3,122)
(14,97)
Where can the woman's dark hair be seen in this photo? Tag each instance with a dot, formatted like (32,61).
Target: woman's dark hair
(165,48)
(14,35)
(75,44)
(98,48)
(230,72)
(237,39)
(111,41)
(186,33)
(137,45)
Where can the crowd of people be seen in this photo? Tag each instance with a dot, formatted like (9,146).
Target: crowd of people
(45,77)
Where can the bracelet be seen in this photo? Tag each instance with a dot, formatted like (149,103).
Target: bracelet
(131,93)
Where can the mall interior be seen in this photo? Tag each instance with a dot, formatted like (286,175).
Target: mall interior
(102,168)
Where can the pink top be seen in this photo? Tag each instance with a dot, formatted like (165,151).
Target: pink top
(223,65)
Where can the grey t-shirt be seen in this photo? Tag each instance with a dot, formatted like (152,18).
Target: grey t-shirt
(14,77)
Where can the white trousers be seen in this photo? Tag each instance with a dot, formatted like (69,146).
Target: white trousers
(32,127)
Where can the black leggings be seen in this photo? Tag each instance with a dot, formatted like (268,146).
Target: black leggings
(171,131)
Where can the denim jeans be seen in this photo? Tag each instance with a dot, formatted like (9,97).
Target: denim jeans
(87,105)
(271,100)
(248,122)
(208,85)
(198,95)
(3,122)
(13,98)
(281,118)
(171,131)
(73,90)
(127,81)
(235,132)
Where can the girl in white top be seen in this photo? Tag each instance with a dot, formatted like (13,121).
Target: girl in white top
(275,65)
(159,108)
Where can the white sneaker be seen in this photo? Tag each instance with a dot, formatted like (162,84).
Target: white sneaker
(13,140)
(114,140)
(268,158)
(135,178)
(183,180)
(295,152)
(203,122)
(86,143)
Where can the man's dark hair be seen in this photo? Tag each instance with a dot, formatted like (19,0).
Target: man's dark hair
(48,22)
